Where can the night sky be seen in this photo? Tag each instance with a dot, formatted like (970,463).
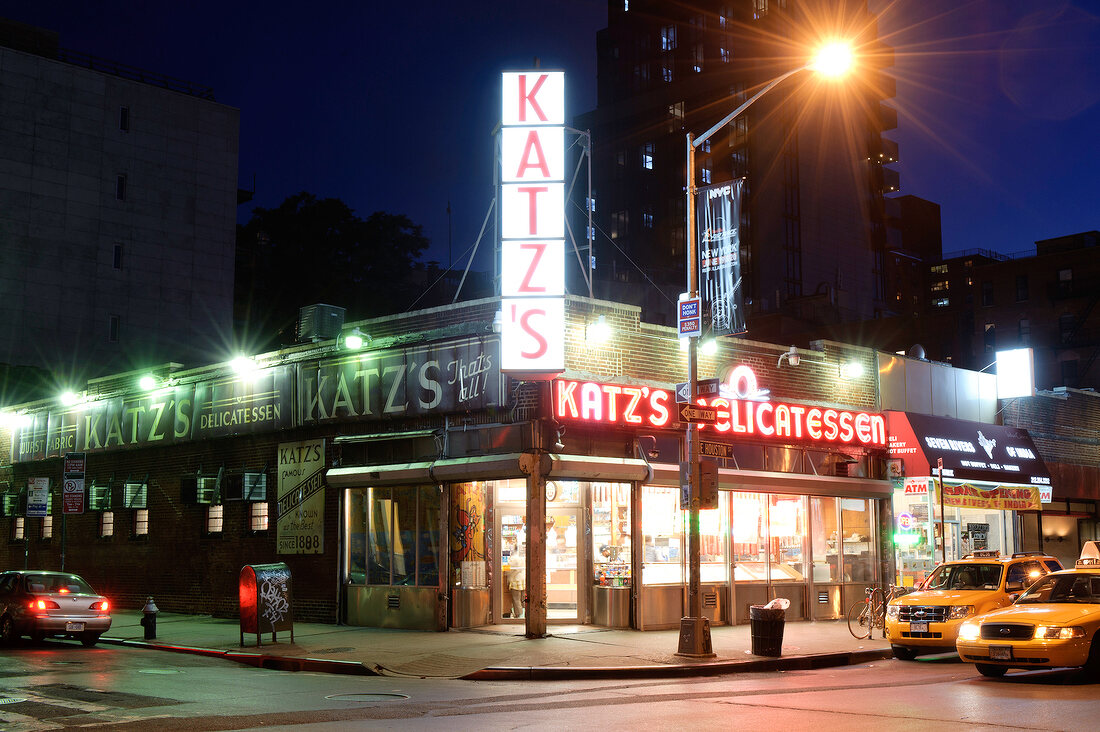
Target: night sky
(390,106)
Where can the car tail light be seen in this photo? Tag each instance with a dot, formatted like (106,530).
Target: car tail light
(39,603)
(100,605)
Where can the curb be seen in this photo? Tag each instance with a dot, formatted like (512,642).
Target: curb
(713,668)
(257,660)
(535,673)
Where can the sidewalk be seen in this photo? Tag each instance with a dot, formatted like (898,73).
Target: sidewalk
(495,652)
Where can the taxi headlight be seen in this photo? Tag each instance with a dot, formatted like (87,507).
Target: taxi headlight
(970,631)
(892,611)
(1050,632)
(960,611)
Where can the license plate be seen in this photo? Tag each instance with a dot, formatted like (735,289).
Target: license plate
(74,626)
(921,627)
(1000,653)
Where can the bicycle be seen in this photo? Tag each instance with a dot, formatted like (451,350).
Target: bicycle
(870,613)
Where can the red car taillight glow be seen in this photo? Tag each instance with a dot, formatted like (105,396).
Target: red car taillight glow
(101,606)
(39,603)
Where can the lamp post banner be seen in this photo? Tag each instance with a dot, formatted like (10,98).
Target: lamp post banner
(717,223)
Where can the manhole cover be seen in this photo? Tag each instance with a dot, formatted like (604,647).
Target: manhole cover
(367,697)
(11,700)
(347,649)
(159,671)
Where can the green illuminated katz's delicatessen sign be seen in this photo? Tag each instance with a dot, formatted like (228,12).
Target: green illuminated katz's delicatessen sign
(216,408)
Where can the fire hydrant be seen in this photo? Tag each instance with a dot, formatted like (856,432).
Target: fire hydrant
(149,619)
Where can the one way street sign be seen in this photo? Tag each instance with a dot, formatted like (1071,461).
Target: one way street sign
(691,413)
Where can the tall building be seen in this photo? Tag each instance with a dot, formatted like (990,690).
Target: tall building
(813,223)
(117,213)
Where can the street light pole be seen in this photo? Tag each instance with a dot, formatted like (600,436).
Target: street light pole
(694,641)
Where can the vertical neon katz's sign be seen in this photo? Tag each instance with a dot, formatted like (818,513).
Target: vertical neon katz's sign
(532,213)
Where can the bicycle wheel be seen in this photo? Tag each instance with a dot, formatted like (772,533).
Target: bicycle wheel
(878,609)
(859,620)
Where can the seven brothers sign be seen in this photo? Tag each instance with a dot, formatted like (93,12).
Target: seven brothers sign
(532,212)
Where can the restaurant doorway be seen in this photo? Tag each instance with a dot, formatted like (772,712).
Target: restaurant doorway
(563,596)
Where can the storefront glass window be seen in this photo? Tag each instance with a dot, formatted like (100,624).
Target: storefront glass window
(428,537)
(859,549)
(380,533)
(468,560)
(662,521)
(749,541)
(357,537)
(787,527)
(713,528)
(824,539)
(611,534)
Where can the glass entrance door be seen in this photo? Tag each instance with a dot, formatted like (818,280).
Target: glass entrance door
(562,565)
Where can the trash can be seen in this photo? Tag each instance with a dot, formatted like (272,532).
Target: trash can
(766,627)
(266,601)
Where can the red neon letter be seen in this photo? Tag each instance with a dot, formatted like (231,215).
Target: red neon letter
(532,206)
(542,346)
(533,147)
(526,98)
(537,251)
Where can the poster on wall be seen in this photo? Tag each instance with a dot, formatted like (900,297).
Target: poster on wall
(301,493)
(717,217)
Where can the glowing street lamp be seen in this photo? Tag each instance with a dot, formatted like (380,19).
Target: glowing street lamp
(833,61)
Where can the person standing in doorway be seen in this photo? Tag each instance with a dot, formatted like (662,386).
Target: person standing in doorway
(517,578)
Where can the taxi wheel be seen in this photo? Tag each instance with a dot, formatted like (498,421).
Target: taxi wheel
(994,672)
(903,654)
(1092,666)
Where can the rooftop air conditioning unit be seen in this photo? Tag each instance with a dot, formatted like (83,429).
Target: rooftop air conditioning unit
(319,323)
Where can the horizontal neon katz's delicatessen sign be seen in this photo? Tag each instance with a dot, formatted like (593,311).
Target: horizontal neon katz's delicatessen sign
(651,407)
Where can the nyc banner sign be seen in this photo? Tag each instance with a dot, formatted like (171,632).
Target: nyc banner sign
(532,212)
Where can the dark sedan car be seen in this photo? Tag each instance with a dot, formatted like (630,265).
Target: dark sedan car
(51,604)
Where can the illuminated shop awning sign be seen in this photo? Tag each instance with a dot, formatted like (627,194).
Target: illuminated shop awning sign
(971,451)
(651,407)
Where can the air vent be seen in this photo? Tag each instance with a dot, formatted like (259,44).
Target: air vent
(710,599)
(823,598)
(393,602)
(319,323)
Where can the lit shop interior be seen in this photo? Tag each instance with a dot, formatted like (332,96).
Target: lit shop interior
(616,553)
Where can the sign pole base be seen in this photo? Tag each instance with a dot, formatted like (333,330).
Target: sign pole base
(695,638)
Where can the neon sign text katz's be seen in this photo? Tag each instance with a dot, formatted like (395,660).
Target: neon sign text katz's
(651,407)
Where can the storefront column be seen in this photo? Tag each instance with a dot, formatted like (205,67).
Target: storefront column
(536,466)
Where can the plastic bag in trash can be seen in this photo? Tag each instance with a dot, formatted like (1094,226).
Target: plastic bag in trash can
(779,603)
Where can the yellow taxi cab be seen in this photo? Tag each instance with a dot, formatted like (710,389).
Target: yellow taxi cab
(1053,624)
(928,619)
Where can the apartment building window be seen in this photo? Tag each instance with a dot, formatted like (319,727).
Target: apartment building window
(214,518)
(1066,325)
(697,57)
(704,176)
(987,293)
(124,119)
(647,155)
(724,54)
(1021,288)
(759,9)
(1025,332)
(739,160)
(120,188)
(990,336)
(740,128)
(618,224)
(113,327)
(676,110)
(1065,281)
(116,260)
(668,38)
(141,522)
(647,217)
(941,302)
(620,157)
(941,286)
(106,524)
(257,516)
(18,528)
(666,73)
(938,269)
(626,6)
(641,76)
(47,527)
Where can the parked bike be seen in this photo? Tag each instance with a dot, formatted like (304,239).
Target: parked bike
(870,613)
